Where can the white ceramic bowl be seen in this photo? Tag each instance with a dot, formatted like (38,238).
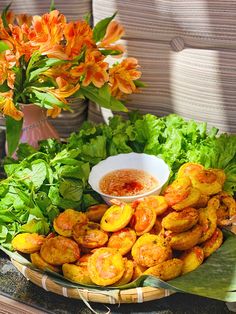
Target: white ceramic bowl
(149,163)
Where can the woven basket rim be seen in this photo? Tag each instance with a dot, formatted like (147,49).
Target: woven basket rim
(117,296)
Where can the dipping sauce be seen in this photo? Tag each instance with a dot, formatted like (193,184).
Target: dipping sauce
(127,182)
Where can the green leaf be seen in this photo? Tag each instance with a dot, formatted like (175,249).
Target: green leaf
(34,58)
(87,18)
(43,66)
(13,132)
(67,157)
(3,46)
(100,28)
(71,190)
(24,150)
(4,87)
(39,226)
(47,100)
(4,15)
(54,195)
(106,52)
(139,83)
(52,5)
(102,97)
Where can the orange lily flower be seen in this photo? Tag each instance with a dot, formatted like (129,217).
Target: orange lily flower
(113,33)
(24,19)
(7,61)
(10,17)
(47,33)
(64,89)
(94,69)
(77,35)
(122,76)
(7,106)
(54,112)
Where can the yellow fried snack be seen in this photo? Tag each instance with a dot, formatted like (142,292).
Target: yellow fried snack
(211,245)
(202,202)
(65,221)
(122,240)
(37,261)
(157,202)
(83,260)
(116,217)
(95,212)
(221,176)
(181,221)
(185,240)
(189,169)
(166,270)
(207,182)
(178,191)
(143,219)
(151,249)
(157,228)
(60,250)
(106,266)
(208,219)
(27,242)
(138,271)
(192,199)
(78,274)
(192,258)
(89,235)
(226,210)
(127,276)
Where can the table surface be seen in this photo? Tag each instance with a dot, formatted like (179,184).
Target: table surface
(13,285)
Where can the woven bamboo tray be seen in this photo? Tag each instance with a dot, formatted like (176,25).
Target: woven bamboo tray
(135,295)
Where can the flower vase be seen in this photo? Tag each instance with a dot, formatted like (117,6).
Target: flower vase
(36,126)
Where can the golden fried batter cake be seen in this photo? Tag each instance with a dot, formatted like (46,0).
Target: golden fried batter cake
(188,169)
(27,242)
(127,276)
(185,240)
(177,191)
(65,221)
(207,181)
(157,202)
(95,212)
(37,261)
(122,240)
(150,250)
(116,217)
(192,259)
(106,266)
(212,244)
(89,235)
(166,270)
(143,219)
(208,219)
(78,274)
(60,250)
(182,220)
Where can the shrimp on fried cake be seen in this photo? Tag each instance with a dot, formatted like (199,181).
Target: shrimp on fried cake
(64,222)
(106,266)
(89,235)
(60,250)
(151,249)
(143,219)
(181,194)
(182,220)
(122,240)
